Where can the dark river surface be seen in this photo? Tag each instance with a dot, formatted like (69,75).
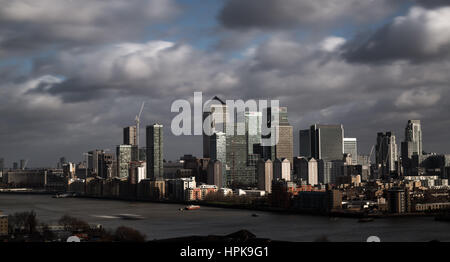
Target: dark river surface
(167,221)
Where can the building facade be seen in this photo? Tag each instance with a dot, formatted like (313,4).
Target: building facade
(411,146)
(155,153)
(386,154)
(351,147)
(285,145)
(123,158)
(308,170)
(327,142)
(305,143)
(215,173)
(130,135)
(282,170)
(265,175)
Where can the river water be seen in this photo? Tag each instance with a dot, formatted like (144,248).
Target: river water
(167,221)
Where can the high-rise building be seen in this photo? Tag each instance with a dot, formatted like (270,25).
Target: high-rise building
(2,164)
(94,157)
(363,160)
(129,135)
(217,112)
(285,145)
(411,146)
(282,169)
(284,149)
(123,158)
(142,154)
(330,171)
(413,135)
(61,162)
(218,151)
(351,147)
(22,164)
(105,165)
(305,143)
(308,170)
(238,172)
(265,175)
(386,154)
(327,142)
(215,173)
(15,165)
(155,154)
(253,123)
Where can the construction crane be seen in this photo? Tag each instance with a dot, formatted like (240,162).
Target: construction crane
(25,164)
(369,160)
(138,120)
(370,155)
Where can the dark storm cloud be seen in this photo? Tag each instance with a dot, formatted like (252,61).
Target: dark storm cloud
(81,96)
(273,14)
(28,25)
(71,91)
(433,3)
(155,68)
(318,85)
(313,80)
(421,35)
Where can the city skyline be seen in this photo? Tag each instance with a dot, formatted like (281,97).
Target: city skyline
(398,142)
(70,83)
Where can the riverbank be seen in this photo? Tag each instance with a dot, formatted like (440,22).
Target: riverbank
(219,204)
(166,221)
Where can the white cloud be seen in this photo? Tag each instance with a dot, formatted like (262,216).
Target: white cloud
(422,34)
(332,43)
(417,98)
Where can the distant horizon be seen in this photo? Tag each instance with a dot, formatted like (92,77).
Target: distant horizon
(74,73)
(295,148)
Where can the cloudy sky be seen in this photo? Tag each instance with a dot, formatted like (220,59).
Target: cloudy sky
(73,73)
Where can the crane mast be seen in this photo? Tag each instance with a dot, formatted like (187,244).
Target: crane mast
(138,120)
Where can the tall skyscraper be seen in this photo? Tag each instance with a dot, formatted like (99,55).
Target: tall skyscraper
(215,174)
(329,171)
(265,175)
(22,164)
(105,165)
(123,157)
(386,154)
(238,172)
(411,146)
(94,157)
(305,143)
(327,142)
(253,132)
(351,147)
(218,113)
(413,135)
(129,135)
(218,151)
(284,149)
(2,164)
(155,154)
